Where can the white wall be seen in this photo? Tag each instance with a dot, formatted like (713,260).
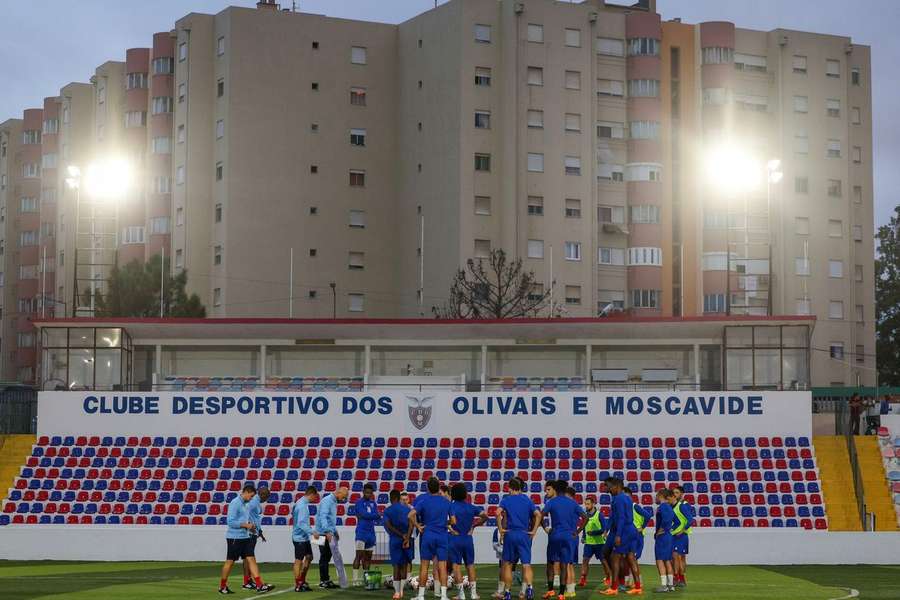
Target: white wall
(207,543)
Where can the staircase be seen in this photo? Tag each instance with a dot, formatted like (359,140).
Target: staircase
(833,461)
(878,497)
(14,450)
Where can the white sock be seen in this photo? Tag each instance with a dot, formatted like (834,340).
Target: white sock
(670,580)
(397,586)
(421,590)
(356,574)
(444,590)
(556,581)
(472,589)
(501,587)
(570,587)
(662,580)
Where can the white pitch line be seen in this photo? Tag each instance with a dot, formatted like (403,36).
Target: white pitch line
(852,594)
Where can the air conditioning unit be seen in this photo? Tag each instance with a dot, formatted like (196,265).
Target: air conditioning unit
(848,48)
(592,17)
(519,8)
(783,40)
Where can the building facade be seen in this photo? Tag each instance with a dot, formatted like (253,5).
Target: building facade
(307,166)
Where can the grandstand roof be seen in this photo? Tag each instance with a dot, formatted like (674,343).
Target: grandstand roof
(533,330)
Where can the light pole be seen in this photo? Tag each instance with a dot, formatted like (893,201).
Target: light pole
(333,286)
(773,175)
(74,183)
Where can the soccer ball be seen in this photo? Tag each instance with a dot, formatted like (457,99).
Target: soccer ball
(414,581)
(465,581)
(449,581)
(389,582)
(429,585)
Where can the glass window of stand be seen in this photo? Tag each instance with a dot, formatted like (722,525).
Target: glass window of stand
(85,358)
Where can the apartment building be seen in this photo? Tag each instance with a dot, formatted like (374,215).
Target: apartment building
(301,165)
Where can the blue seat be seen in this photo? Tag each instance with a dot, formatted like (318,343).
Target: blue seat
(760,512)
(777,522)
(734,523)
(719,523)
(803,512)
(791,523)
(818,511)
(803,442)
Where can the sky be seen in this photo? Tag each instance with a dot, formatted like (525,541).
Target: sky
(49,43)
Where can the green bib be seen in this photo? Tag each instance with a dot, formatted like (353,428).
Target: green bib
(682,526)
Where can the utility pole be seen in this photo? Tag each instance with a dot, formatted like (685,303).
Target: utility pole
(333,299)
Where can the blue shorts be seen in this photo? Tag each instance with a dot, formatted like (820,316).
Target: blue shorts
(680,543)
(638,546)
(433,546)
(562,547)
(593,551)
(517,547)
(399,554)
(663,547)
(627,539)
(367,538)
(462,550)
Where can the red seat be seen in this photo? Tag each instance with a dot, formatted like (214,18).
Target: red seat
(821,524)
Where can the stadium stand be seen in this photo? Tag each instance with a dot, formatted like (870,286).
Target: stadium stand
(836,477)
(733,482)
(297,383)
(885,478)
(521,383)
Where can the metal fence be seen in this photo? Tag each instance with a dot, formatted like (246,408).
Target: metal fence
(18,411)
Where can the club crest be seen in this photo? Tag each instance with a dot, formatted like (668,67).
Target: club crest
(419,410)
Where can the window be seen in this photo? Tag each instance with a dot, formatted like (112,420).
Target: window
(357,137)
(836,268)
(220,87)
(482,119)
(218,213)
(535,76)
(751,102)
(48,161)
(643,47)
(610,46)
(28,205)
(134,81)
(179,258)
(573,122)
(314,86)
(573,38)
(799,64)
(803,306)
(607,299)
(611,256)
(801,185)
(714,303)
(858,273)
(643,88)
(217,255)
(717,55)
(536,293)
(535,162)
(220,171)
(536,119)
(161,145)
(801,266)
(535,248)
(860,353)
(834,188)
(25,339)
(610,87)
(801,104)
(220,46)
(645,298)
(51,126)
(856,154)
(358,96)
(643,172)
(573,208)
(356,261)
(535,33)
(483,33)
(857,194)
(645,257)
(611,214)
(135,118)
(65,115)
(482,162)
(645,213)
(164,65)
(573,250)
(860,313)
(133,235)
(749,62)
(182,51)
(220,129)
(715,261)
(801,225)
(31,170)
(573,294)
(835,228)
(161,105)
(536,206)
(159,225)
(832,68)
(835,309)
(855,115)
(358,55)
(644,130)
(357,178)
(715,96)
(31,136)
(356,302)
(855,75)
(573,165)
(573,80)
(857,233)
(483,76)
(482,205)
(611,130)
(217,297)
(801,143)
(27,272)
(482,248)
(314,127)
(312,252)
(833,107)
(358,219)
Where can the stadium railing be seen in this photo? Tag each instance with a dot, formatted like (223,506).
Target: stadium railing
(866,519)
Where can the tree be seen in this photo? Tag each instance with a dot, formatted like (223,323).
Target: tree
(493,288)
(134,292)
(887,302)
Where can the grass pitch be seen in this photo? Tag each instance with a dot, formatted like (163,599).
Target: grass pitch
(157,580)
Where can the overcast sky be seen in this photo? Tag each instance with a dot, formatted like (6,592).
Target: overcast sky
(48,43)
